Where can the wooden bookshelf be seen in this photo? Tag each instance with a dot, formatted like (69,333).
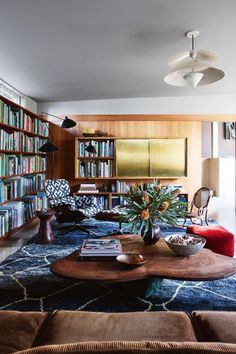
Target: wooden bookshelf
(99,165)
(22,132)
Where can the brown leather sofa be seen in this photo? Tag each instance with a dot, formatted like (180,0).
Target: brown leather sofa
(136,332)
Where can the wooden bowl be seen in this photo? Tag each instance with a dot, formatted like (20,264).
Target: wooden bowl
(131,260)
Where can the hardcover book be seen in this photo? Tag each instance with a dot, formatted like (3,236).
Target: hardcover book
(100,249)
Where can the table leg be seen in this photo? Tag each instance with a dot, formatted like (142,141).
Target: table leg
(146,288)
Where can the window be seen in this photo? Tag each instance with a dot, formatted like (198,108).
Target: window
(11,93)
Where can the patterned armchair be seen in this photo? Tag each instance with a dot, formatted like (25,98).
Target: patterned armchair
(68,208)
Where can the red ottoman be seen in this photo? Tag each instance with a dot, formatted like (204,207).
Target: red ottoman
(219,240)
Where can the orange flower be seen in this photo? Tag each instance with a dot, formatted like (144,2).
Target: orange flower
(146,198)
(165,205)
(144,215)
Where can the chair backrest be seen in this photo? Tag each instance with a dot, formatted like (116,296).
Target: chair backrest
(201,198)
(56,188)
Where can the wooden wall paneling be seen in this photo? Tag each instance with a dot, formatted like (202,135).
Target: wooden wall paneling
(156,117)
(64,158)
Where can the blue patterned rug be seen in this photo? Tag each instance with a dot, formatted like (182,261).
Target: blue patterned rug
(26,284)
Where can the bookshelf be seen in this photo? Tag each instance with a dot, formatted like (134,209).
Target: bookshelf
(22,166)
(99,165)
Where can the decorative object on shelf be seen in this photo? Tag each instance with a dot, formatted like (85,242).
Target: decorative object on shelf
(89,132)
(193,68)
(101,133)
(148,204)
(67,122)
(185,245)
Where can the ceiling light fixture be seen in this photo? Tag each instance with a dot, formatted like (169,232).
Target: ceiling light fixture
(193,68)
(67,122)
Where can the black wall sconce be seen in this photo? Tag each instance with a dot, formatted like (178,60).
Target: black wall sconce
(66,124)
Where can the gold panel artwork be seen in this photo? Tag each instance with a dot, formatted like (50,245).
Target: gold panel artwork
(151,157)
(168,158)
(132,157)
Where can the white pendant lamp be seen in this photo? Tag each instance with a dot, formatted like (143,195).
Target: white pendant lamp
(193,78)
(193,68)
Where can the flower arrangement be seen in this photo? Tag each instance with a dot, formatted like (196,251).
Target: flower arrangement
(147,204)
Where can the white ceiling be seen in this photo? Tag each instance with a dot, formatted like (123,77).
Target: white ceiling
(58,50)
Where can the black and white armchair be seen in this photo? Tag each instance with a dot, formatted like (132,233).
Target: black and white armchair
(67,208)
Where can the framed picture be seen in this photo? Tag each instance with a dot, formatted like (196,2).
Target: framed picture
(230,130)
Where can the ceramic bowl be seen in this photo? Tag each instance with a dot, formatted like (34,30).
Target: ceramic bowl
(185,249)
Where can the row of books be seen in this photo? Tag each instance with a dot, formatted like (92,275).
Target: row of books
(12,188)
(35,125)
(18,141)
(117,200)
(18,164)
(94,249)
(96,168)
(15,214)
(103,149)
(102,200)
(122,187)
(30,144)
(17,118)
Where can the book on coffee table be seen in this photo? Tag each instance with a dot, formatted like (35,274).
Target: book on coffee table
(95,249)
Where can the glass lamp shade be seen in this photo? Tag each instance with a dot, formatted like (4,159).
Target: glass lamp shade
(68,123)
(193,78)
(48,147)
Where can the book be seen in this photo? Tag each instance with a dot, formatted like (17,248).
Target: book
(88,188)
(94,247)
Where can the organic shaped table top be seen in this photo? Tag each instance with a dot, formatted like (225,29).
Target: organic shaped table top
(161,262)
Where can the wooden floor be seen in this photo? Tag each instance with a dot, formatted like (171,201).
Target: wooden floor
(16,241)
(19,239)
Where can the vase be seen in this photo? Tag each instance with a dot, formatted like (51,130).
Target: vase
(152,235)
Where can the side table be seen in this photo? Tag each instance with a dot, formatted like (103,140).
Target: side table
(45,233)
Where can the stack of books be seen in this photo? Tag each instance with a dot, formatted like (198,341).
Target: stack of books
(88,188)
(107,249)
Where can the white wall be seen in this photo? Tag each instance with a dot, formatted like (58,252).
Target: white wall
(224,104)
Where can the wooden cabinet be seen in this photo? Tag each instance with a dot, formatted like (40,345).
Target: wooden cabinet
(22,166)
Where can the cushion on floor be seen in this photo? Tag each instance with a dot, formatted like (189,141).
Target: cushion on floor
(218,239)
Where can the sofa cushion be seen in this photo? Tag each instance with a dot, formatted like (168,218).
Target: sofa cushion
(145,347)
(71,327)
(218,239)
(215,326)
(19,329)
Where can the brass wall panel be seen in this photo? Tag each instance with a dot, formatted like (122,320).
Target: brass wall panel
(132,157)
(168,157)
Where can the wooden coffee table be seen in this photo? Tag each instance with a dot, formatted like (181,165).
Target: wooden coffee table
(161,263)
